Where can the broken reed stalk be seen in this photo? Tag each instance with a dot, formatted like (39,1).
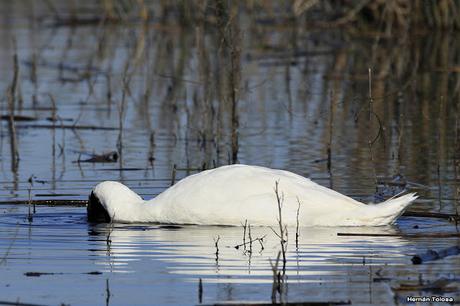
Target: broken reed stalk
(31,183)
(282,235)
(216,244)
(200,291)
(173,174)
(11,97)
(276,287)
(259,239)
(371,142)
(107,292)
(53,136)
(109,234)
(247,229)
(30,217)
(244,233)
(261,242)
(250,239)
(297,225)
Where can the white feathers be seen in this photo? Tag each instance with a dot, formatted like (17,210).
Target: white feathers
(230,195)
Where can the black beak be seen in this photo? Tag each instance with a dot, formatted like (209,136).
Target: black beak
(96,212)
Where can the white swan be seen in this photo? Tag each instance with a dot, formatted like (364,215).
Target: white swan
(229,195)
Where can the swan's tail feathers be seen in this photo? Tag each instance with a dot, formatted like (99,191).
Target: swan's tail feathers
(387,212)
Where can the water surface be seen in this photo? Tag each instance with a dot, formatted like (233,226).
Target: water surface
(167,84)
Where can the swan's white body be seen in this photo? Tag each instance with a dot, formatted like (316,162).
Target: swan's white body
(229,195)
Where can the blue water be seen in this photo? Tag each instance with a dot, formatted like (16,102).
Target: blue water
(179,94)
(145,263)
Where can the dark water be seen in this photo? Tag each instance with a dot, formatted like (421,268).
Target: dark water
(170,81)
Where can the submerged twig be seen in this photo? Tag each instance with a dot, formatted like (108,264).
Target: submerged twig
(216,244)
(282,234)
(259,239)
(107,292)
(244,234)
(431,255)
(200,291)
(279,278)
(297,225)
(109,234)
(275,285)
(30,217)
(250,239)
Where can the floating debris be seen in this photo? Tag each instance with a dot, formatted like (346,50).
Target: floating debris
(18,118)
(432,255)
(440,285)
(66,126)
(427,235)
(425,214)
(110,157)
(38,274)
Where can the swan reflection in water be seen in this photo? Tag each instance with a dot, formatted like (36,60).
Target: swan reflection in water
(324,267)
(191,250)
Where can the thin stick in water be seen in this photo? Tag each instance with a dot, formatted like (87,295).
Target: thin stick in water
(173,175)
(216,244)
(297,225)
(200,291)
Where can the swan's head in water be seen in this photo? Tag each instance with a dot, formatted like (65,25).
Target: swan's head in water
(96,211)
(107,198)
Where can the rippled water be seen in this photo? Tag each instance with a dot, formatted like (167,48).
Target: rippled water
(299,90)
(147,264)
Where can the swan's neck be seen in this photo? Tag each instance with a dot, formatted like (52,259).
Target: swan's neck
(132,210)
